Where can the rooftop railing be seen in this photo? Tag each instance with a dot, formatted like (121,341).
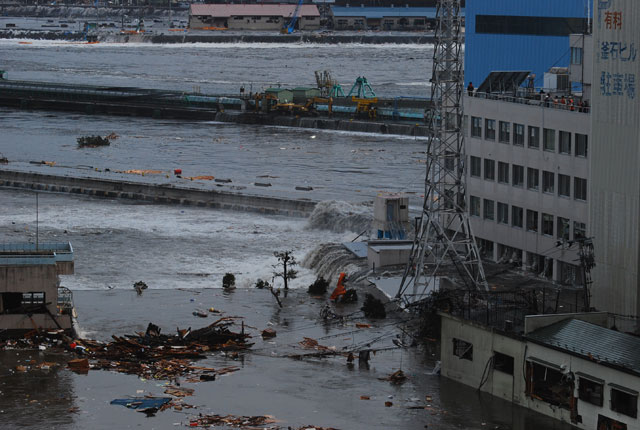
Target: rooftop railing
(538,99)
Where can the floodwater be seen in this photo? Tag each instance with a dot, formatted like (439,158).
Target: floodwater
(183,252)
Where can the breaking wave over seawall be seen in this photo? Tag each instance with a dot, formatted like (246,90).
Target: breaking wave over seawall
(339,217)
(329,259)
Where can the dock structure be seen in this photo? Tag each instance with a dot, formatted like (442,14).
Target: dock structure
(398,115)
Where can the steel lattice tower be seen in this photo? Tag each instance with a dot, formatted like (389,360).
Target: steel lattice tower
(444,234)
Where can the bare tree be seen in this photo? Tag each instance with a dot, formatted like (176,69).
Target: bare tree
(286,262)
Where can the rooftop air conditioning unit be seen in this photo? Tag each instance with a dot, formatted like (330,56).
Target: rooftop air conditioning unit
(557,79)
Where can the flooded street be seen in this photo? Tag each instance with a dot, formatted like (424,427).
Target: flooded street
(183,252)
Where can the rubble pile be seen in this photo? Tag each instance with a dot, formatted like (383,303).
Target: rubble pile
(263,422)
(158,356)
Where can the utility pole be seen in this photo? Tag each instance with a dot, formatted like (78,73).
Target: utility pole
(37,224)
(443,233)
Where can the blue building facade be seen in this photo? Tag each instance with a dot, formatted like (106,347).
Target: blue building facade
(510,35)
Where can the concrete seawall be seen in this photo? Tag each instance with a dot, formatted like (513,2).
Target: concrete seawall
(156,193)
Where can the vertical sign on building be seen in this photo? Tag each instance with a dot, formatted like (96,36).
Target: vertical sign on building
(614,183)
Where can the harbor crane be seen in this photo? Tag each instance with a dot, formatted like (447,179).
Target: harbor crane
(443,235)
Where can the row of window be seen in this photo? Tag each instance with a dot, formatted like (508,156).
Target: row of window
(534,221)
(515,175)
(515,134)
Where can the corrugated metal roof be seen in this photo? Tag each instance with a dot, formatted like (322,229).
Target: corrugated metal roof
(592,342)
(229,10)
(485,53)
(381,12)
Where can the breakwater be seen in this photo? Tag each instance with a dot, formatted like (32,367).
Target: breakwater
(156,193)
(342,124)
(203,37)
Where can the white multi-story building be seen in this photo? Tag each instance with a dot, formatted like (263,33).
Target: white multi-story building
(528,169)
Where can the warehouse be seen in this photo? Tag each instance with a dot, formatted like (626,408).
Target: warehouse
(383,18)
(251,16)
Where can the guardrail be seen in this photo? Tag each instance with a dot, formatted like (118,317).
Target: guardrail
(533,101)
(60,252)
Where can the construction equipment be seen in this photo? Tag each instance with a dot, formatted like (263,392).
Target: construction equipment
(443,234)
(362,89)
(366,106)
(290,28)
(309,108)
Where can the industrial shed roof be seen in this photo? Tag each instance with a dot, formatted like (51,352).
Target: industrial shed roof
(591,342)
(229,10)
(381,12)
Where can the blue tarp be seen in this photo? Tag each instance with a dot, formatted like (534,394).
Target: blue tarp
(142,402)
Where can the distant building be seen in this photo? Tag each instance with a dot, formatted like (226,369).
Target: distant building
(576,368)
(252,16)
(383,18)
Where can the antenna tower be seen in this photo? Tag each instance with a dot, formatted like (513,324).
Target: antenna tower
(443,234)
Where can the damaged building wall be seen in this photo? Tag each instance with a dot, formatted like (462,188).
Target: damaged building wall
(39,278)
(494,362)
(594,404)
(554,382)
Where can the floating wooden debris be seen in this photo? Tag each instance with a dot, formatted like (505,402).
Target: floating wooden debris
(93,141)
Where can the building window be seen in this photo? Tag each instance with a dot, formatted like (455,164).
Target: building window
(474,206)
(490,129)
(476,166)
(505,132)
(518,134)
(534,137)
(624,402)
(489,170)
(549,139)
(449,161)
(531,25)
(533,179)
(565,142)
(489,208)
(32,299)
(581,145)
(609,423)
(503,172)
(476,127)
(548,384)
(576,56)
(579,230)
(547,224)
(590,391)
(503,213)
(580,189)
(563,228)
(503,363)
(518,176)
(548,182)
(462,349)
(564,185)
(532,221)
(516,216)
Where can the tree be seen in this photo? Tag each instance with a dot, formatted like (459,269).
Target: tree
(285,260)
